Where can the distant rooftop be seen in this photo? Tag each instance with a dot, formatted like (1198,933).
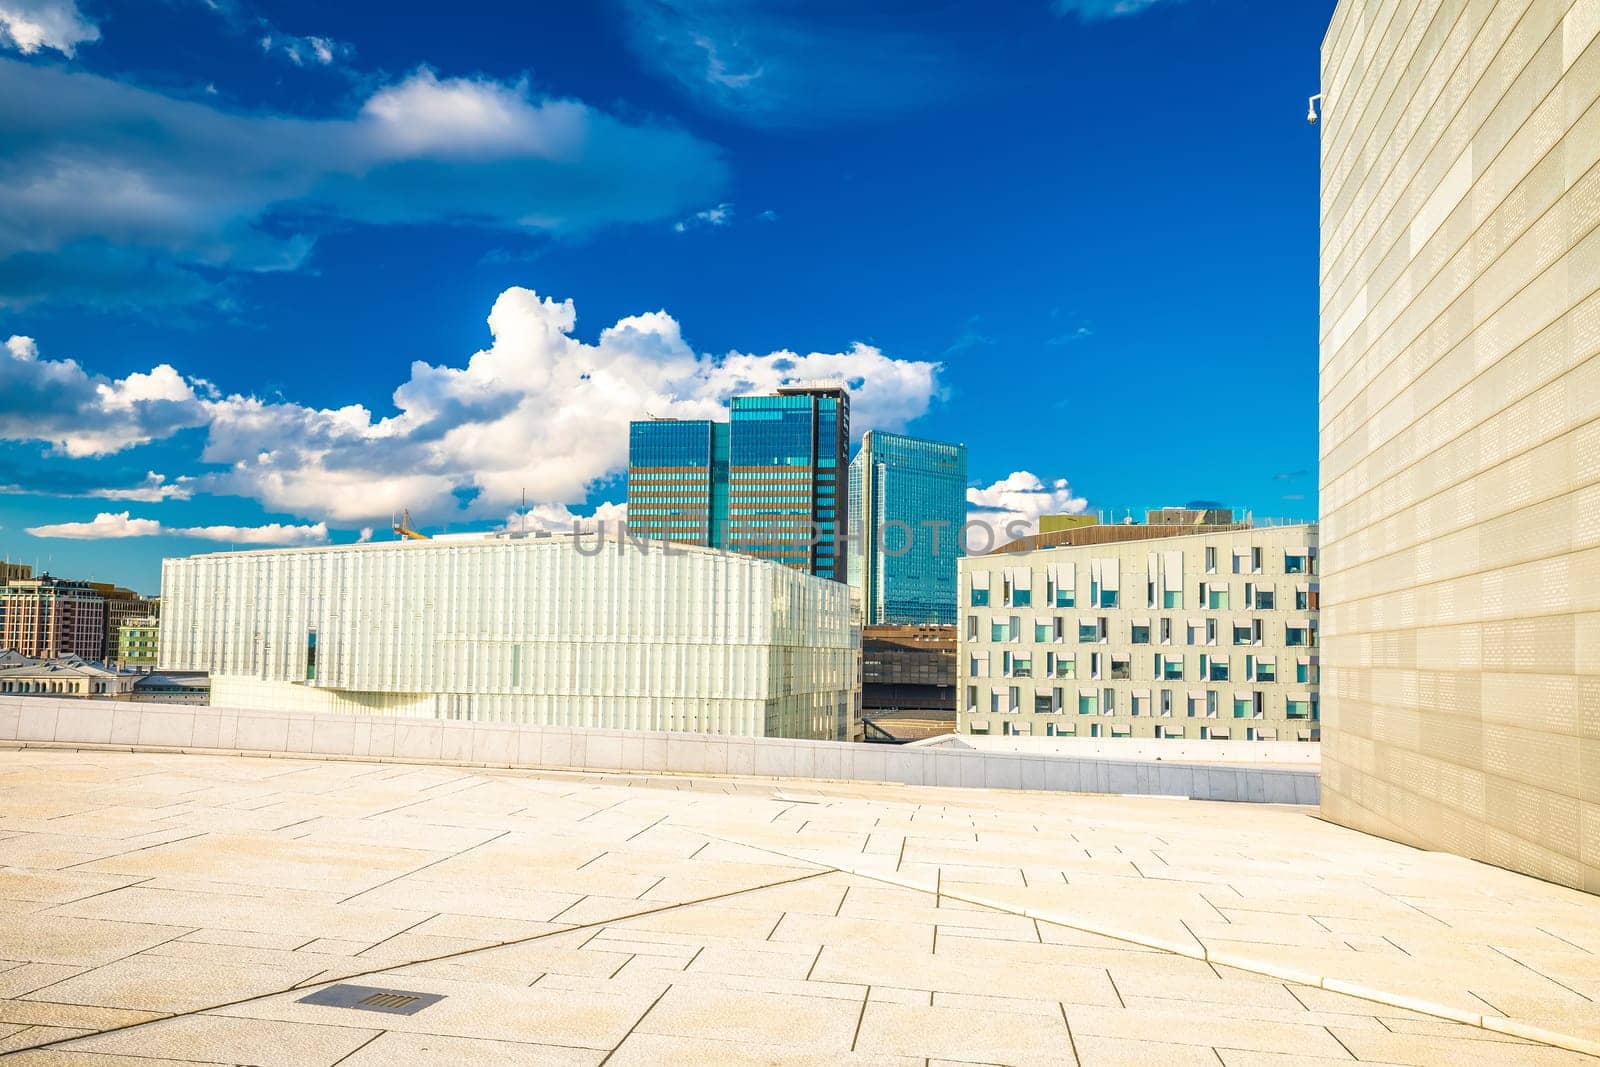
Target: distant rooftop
(183,907)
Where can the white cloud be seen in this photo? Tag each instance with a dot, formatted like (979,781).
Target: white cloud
(105,527)
(1089,10)
(721,215)
(303,51)
(116,526)
(154,489)
(80,415)
(539,410)
(1014,504)
(116,195)
(29,25)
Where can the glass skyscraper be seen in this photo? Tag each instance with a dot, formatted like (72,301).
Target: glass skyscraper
(767,483)
(909,499)
(678,481)
(787,462)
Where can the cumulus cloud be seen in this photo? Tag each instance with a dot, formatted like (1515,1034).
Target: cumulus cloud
(539,411)
(151,196)
(116,526)
(80,414)
(30,25)
(1016,501)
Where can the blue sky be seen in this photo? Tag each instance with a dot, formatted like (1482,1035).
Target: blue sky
(272,271)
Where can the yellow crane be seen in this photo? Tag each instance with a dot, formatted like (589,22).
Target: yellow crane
(403,527)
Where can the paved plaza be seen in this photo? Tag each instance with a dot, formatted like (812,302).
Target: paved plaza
(172,908)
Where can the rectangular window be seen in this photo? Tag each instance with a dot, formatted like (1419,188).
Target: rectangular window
(1066,598)
(1211,560)
(1266,670)
(1088,633)
(1088,702)
(1108,702)
(1172,668)
(1042,704)
(1219,670)
(1021,598)
(1166,631)
(1296,636)
(1219,598)
(1299,709)
(1294,563)
(980,598)
(1014,696)
(1041,632)
(1141,703)
(1166,703)
(1266,600)
(1241,706)
(1212,703)
(1121,668)
(311,655)
(1306,672)
(972,627)
(972,698)
(1172,598)
(998,631)
(1066,667)
(1141,634)
(1022,666)
(1109,598)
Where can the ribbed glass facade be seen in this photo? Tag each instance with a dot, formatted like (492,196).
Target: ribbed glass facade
(909,499)
(545,631)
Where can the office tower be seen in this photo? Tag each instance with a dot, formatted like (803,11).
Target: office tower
(678,481)
(1183,635)
(45,617)
(550,630)
(788,456)
(908,501)
(1460,414)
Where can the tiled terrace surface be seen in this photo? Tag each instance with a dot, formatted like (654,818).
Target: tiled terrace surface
(174,908)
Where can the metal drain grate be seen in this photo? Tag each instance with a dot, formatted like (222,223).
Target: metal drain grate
(371,998)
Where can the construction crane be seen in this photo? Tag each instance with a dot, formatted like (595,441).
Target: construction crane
(403,527)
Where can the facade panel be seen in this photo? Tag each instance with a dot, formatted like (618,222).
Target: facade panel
(1460,425)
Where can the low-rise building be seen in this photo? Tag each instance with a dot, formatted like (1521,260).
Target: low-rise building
(908,682)
(551,630)
(62,676)
(172,687)
(1199,635)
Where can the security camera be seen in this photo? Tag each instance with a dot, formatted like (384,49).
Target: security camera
(1311,116)
(1311,109)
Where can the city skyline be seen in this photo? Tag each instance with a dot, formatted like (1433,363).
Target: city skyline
(294,350)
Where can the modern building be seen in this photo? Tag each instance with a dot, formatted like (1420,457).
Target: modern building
(908,682)
(139,643)
(1460,414)
(767,483)
(46,617)
(1189,516)
(907,505)
(678,481)
(567,630)
(10,572)
(789,454)
(1198,635)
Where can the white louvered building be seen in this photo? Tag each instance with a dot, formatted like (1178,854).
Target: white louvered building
(1199,636)
(540,630)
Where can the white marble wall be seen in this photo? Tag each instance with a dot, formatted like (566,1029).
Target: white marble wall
(85,722)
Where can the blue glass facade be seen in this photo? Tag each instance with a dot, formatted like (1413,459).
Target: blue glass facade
(768,482)
(787,454)
(678,480)
(910,499)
